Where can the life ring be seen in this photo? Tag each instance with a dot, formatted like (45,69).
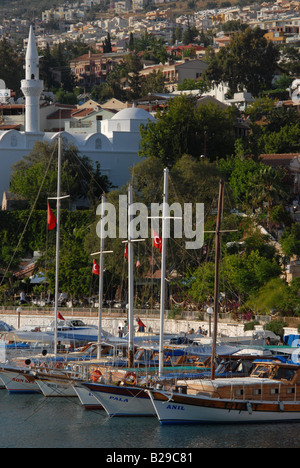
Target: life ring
(130,378)
(59,365)
(96,376)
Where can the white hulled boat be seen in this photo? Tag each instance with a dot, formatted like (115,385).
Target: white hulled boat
(19,380)
(87,398)
(270,394)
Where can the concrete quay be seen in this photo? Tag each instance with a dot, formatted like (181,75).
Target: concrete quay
(112,319)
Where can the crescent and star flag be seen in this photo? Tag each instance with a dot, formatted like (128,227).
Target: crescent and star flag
(96,268)
(51,219)
(157,241)
(126,252)
(60,316)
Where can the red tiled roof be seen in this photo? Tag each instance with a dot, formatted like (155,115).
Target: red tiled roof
(61,114)
(82,112)
(10,127)
(283,159)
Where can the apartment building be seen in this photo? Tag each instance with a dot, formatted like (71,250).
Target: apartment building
(122,6)
(176,72)
(92,69)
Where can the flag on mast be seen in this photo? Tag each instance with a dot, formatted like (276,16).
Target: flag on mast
(157,241)
(51,219)
(96,268)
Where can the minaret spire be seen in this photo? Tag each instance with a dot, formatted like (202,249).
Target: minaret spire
(32,86)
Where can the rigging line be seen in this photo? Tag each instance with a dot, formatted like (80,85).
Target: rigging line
(30,215)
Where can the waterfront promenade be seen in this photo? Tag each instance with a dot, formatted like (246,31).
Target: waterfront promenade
(27,317)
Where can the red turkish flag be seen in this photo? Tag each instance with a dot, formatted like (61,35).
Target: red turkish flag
(96,268)
(51,219)
(157,241)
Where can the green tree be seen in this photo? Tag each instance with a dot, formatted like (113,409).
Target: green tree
(247,62)
(107,48)
(11,66)
(186,129)
(247,273)
(290,240)
(289,59)
(75,269)
(153,83)
(253,183)
(189,35)
(203,283)
(64,97)
(114,78)
(133,67)
(268,186)
(102,92)
(286,140)
(178,33)
(131,42)
(188,84)
(275,295)
(37,174)
(174,133)
(274,129)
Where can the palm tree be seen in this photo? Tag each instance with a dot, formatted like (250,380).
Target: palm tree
(268,185)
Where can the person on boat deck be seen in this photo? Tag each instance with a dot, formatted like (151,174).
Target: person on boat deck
(120,332)
(140,325)
(268,341)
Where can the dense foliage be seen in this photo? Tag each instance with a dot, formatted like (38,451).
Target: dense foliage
(35,176)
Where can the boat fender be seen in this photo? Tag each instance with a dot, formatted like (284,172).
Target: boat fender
(130,378)
(249,407)
(281,406)
(96,376)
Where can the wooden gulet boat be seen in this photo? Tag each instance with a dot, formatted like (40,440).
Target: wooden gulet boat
(270,394)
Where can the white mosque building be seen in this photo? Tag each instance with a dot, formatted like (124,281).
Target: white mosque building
(115,147)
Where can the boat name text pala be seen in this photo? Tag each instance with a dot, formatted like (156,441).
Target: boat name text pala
(123,400)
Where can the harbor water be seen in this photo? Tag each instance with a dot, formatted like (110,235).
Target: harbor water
(33,421)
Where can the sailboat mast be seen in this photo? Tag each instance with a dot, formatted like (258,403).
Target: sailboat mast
(130,282)
(217,274)
(163,273)
(101,261)
(57,240)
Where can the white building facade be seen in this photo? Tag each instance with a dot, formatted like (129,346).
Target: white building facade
(115,146)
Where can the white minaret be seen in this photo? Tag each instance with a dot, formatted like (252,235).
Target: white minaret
(32,87)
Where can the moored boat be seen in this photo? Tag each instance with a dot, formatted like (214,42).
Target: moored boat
(87,398)
(56,386)
(270,394)
(19,380)
(120,400)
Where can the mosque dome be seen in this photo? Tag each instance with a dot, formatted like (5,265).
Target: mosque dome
(133,113)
